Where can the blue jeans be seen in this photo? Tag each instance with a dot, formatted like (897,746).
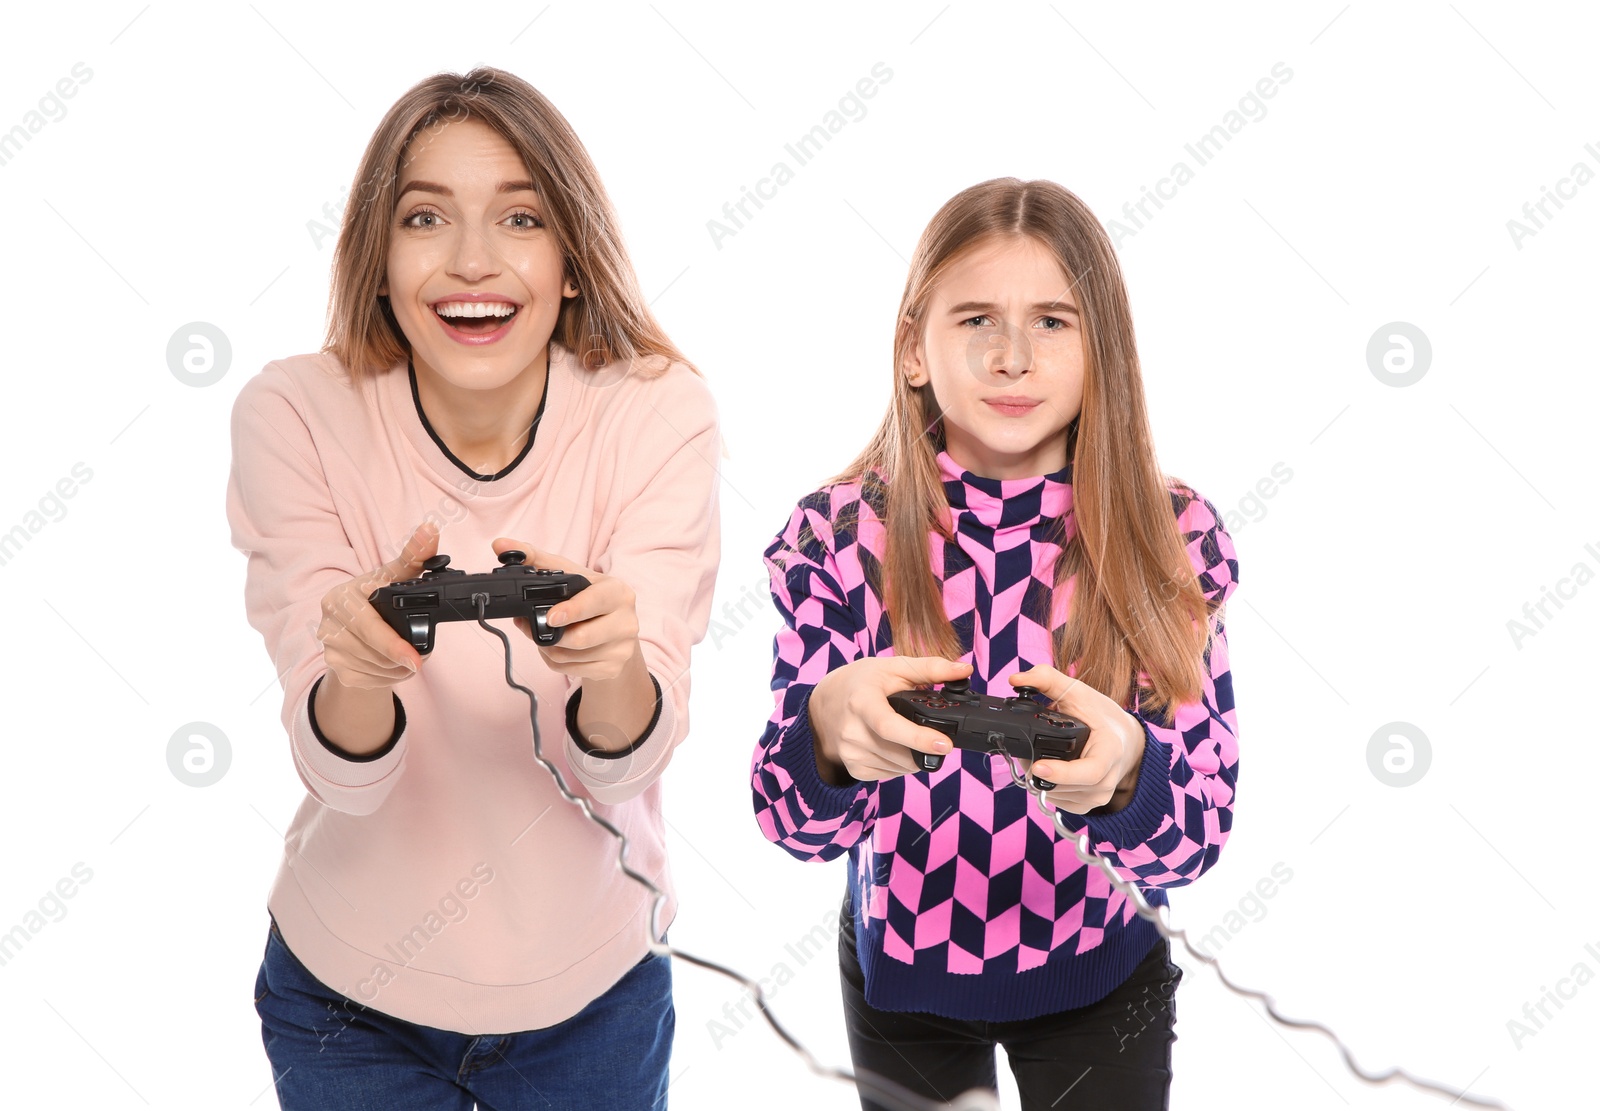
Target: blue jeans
(331,1053)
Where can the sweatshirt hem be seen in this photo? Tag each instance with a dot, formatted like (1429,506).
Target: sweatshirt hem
(999,994)
(445,1002)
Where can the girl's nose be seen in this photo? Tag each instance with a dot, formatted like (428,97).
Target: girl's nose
(1007,352)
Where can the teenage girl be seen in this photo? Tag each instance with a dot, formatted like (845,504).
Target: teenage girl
(445,927)
(1008,526)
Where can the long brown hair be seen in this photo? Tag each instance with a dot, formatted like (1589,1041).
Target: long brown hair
(608,320)
(1136,603)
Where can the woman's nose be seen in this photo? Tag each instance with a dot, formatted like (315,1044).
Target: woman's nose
(474,256)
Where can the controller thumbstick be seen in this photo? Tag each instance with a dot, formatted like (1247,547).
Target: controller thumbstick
(958,686)
(512,557)
(436,563)
(1029,692)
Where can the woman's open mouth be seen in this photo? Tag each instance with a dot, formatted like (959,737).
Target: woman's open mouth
(482,321)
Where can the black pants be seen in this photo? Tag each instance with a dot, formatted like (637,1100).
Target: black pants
(1116,1053)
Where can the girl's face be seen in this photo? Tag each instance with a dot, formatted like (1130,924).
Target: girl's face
(1002,350)
(467,221)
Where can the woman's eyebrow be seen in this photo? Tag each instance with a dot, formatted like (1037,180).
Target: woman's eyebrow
(1037,306)
(446,191)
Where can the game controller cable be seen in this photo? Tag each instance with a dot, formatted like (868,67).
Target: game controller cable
(881,1089)
(1081,843)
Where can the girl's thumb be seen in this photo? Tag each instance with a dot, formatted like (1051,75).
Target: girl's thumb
(937,669)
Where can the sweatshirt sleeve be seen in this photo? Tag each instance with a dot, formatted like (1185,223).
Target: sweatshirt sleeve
(284,517)
(666,546)
(1181,812)
(810,819)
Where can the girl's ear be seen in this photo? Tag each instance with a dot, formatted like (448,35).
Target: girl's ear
(914,371)
(912,368)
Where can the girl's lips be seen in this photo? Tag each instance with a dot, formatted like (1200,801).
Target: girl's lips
(476,339)
(1012,408)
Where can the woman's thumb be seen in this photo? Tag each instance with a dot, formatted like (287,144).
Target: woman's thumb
(423,544)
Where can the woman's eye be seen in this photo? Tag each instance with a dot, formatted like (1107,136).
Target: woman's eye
(1054,320)
(970,319)
(532,219)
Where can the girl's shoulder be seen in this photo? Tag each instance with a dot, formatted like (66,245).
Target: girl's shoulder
(1205,536)
(836,515)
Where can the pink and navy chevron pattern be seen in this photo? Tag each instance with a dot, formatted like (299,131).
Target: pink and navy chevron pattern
(966,902)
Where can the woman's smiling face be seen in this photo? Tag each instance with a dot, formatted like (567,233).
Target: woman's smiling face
(469,227)
(1002,350)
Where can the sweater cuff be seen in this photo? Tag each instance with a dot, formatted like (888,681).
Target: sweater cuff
(796,754)
(367,758)
(1137,822)
(604,753)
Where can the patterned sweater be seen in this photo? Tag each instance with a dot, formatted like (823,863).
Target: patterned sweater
(966,902)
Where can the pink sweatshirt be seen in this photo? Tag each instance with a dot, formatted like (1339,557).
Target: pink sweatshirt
(446,882)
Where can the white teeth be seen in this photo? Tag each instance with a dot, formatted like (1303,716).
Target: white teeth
(474,308)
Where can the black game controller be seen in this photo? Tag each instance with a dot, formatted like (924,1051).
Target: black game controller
(414,607)
(1018,726)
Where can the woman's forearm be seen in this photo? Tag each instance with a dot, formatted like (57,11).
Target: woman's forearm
(613,713)
(357,720)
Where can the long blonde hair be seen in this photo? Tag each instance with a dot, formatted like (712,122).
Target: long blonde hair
(608,320)
(1137,604)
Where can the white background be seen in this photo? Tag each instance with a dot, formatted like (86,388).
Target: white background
(1376,583)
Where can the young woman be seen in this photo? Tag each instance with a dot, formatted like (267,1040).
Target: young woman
(1007,526)
(445,927)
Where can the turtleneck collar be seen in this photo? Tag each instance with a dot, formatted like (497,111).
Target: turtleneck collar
(983,507)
